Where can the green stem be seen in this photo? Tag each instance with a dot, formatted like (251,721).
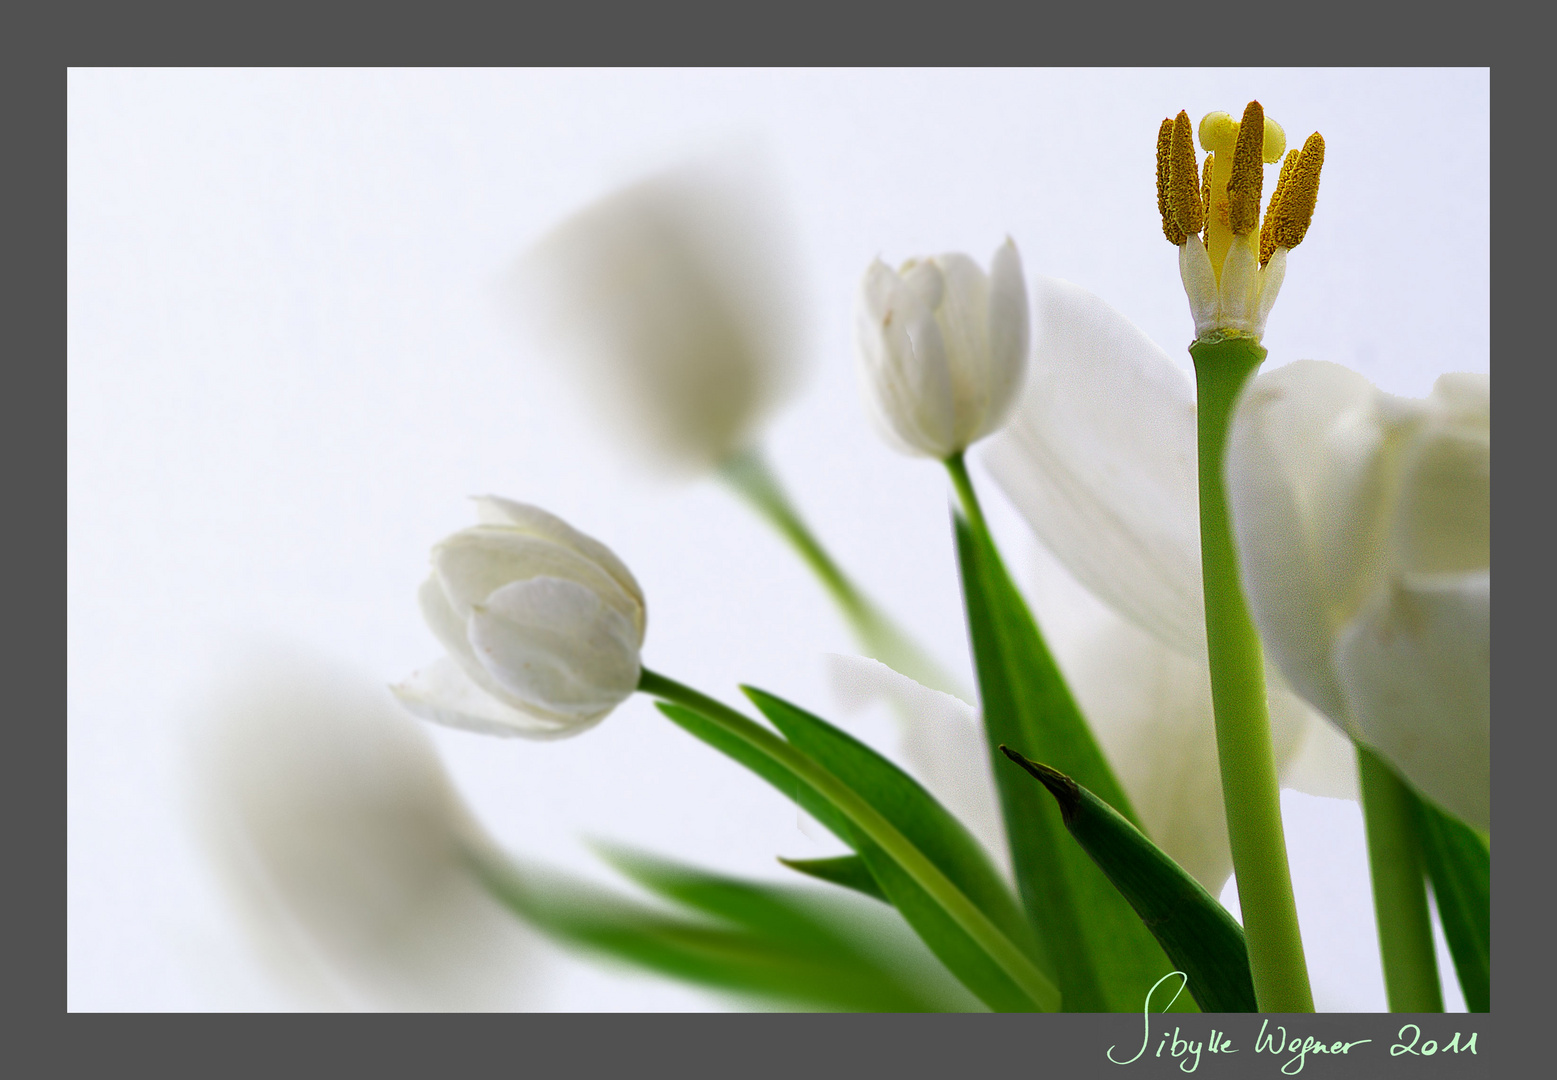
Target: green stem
(958,468)
(1249,785)
(1017,967)
(1399,887)
(751,477)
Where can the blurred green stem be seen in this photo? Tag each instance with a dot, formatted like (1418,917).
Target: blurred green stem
(749,474)
(1399,888)
(1016,966)
(1243,740)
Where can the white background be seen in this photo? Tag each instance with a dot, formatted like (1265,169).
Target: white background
(290,362)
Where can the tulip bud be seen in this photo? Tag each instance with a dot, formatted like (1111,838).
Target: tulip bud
(675,301)
(1364,537)
(943,349)
(542,624)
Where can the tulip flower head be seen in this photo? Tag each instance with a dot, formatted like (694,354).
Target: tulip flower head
(543,627)
(1364,538)
(943,349)
(1232,265)
(675,301)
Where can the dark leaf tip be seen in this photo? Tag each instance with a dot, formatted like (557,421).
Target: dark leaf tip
(1062,787)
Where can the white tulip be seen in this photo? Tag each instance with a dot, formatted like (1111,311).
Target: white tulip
(543,627)
(1100,459)
(943,349)
(345,848)
(675,301)
(1363,525)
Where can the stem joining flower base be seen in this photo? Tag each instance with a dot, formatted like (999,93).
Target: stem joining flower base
(1223,363)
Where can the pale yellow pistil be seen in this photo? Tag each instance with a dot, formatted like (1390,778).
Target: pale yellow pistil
(1233,272)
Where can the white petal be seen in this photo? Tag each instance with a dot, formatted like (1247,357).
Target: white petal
(556,647)
(1100,458)
(904,373)
(943,742)
(442,693)
(1306,478)
(1270,279)
(1443,519)
(1325,761)
(963,316)
(495,510)
(1239,288)
(450,630)
(1009,335)
(475,562)
(1199,278)
(1416,670)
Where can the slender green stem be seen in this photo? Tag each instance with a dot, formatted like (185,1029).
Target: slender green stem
(965,493)
(1017,967)
(750,476)
(1399,887)
(1249,785)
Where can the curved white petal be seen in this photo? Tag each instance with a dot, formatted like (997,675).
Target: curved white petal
(904,375)
(1009,335)
(496,510)
(443,693)
(475,562)
(943,742)
(449,628)
(1100,458)
(556,647)
(1416,670)
(963,316)
(1306,478)
(1443,519)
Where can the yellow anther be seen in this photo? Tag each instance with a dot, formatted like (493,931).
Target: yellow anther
(1205,188)
(1248,172)
(1170,228)
(1273,211)
(1297,203)
(1184,201)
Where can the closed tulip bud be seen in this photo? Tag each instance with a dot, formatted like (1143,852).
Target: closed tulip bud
(943,349)
(542,624)
(1364,529)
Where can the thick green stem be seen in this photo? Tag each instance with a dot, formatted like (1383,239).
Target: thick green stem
(1399,887)
(869,821)
(749,475)
(1249,784)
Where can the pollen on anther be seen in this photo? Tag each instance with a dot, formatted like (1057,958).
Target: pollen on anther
(1273,211)
(1184,200)
(1302,192)
(1170,228)
(1248,172)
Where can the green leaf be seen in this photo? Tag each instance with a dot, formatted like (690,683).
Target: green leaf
(764,943)
(1104,957)
(911,809)
(989,976)
(1459,864)
(1199,936)
(849,871)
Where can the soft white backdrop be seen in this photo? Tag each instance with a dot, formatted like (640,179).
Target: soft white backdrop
(290,361)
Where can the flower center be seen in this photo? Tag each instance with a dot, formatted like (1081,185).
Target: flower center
(1223,197)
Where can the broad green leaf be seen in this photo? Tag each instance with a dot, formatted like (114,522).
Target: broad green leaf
(915,813)
(947,936)
(1104,957)
(1459,864)
(849,871)
(1197,933)
(765,943)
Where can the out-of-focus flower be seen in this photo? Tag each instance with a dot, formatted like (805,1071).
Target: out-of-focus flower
(543,627)
(1100,458)
(1364,539)
(942,348)
(346,848)
(1233,273)
(675,300)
